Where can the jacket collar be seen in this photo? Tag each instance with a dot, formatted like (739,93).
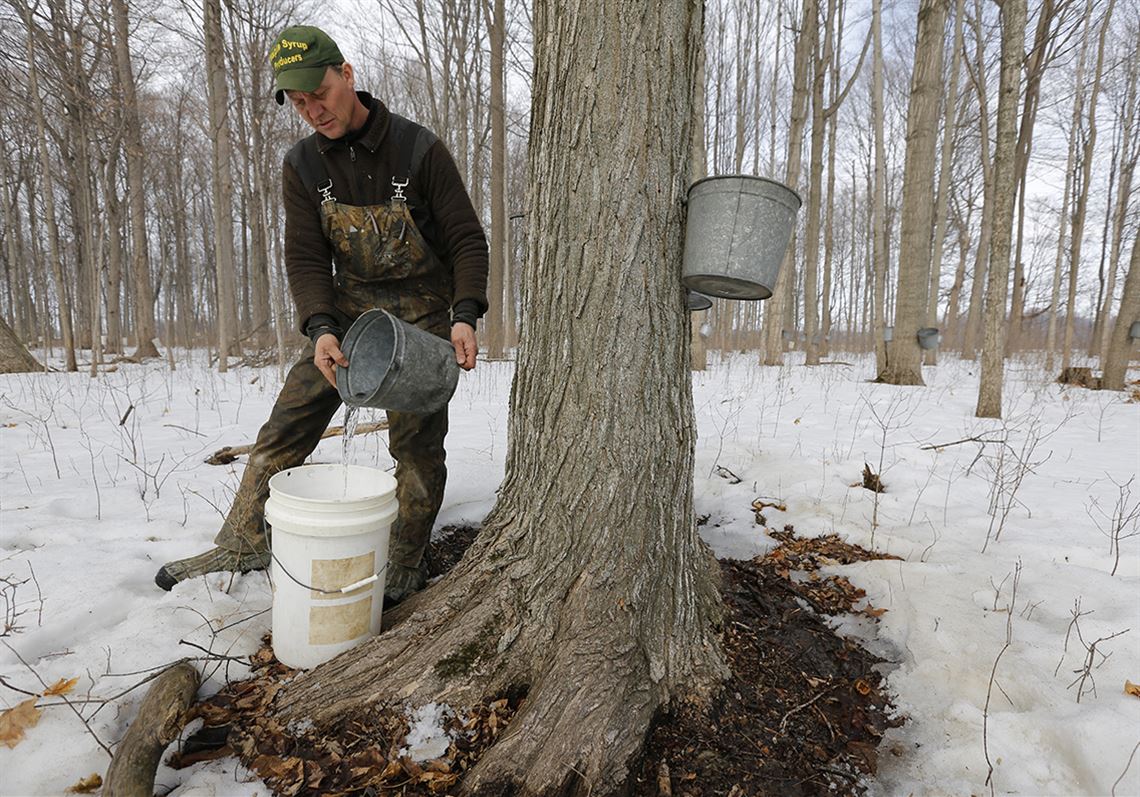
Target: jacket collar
(375,133)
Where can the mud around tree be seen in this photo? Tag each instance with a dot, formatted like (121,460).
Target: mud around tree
(802,713)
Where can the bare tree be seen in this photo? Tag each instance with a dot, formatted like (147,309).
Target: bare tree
(136,192)
(1083,179)
(1013,15)
(879,202)
(1121,344)
(55,253)
(904,360)
(776,309)
(222,183)
(496,322)
(949,116)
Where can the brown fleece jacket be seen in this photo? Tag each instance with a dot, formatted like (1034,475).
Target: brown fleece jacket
(361,168)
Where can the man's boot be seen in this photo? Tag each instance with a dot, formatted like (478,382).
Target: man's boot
(212,561)
(400,581)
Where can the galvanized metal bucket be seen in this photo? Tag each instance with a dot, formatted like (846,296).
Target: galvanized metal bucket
(695,302)
(928,338)
(393,365)
(737,231)
(1134,330)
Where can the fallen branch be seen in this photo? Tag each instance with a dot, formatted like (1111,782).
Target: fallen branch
(158,724)
(227,454)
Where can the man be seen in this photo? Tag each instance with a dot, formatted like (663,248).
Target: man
(376,215)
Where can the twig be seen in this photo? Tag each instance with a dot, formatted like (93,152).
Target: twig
(74,710)
(227,454)
(940,446)
(1126,768)
(784,721)
(993,675)
(127,414)
(183,428)
(211,654)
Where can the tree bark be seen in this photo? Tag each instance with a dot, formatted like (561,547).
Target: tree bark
(820,63)
(223,183)
(1035,64)
(904,361)
(1130,154)
(145,326)
(879,200)
(981,258)
(496,320)
(698,156)
(946,169)
(776,308)
(588,585)
(1013,15)
(1063,219)
(1083,179)
(14,356)
(1120,346)
(55,252)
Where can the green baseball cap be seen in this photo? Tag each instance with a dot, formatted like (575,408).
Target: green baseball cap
(299,57)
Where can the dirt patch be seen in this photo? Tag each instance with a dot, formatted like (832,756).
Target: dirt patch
(802,713)
(804,710)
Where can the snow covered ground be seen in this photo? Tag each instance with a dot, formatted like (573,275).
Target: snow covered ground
(102,480)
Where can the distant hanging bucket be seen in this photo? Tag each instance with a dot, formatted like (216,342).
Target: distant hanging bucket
(393,365)
(1134,330)
(330,550)
(736,235)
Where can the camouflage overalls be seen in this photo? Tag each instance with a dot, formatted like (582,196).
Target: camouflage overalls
(382,260)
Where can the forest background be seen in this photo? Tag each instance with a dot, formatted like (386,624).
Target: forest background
(142,149)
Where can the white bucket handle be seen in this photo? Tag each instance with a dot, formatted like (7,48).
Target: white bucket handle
(364,582)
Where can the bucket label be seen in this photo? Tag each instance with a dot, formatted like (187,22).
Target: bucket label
(332,574)
(331,625)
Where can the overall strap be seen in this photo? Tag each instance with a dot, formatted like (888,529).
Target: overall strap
(306,160)
(411,143)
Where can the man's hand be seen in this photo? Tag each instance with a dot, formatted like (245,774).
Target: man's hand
(466,349)
(328,356)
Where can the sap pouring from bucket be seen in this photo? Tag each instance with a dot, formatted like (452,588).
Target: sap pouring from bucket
(393,365)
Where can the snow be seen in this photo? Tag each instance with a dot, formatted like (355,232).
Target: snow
(93,504)
(426,738)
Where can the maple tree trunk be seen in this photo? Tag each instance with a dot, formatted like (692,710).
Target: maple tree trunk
(588,587)
(945,174)
(879,194)
(904,362)
(1120,345)
(1013,15)
(776,308)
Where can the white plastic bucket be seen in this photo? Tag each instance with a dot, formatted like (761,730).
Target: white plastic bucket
(330,531)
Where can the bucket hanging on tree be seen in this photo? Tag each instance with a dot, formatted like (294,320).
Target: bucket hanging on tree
(736,234)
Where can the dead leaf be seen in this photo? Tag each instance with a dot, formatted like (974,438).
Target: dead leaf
(862,687)
(14,721)
(1131,689)
(871,611)
(87,785)
(61,687)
